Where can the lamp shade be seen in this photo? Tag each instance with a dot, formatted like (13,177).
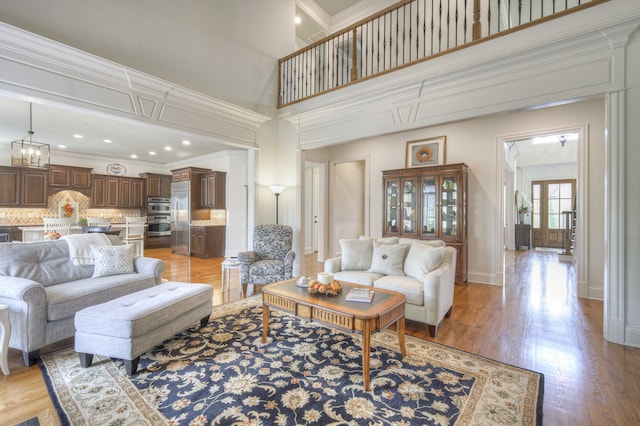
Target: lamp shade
(277,189)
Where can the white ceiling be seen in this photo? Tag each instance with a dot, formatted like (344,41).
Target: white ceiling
(56,125)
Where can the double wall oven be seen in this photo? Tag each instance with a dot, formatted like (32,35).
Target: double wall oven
(159,217)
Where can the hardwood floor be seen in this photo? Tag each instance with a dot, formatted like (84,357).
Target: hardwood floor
(536,322)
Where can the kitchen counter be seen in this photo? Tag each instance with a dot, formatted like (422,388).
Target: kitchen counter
(36,233)
(207,223)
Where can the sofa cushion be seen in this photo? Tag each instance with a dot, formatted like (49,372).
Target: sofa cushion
(385,240)
(410,287)
(112,260)
(421,259)
(46,262)
(432,243)
(356,254)
(64,300)
(357,277)
(388,259)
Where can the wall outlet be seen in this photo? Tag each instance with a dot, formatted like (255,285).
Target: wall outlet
(3,215)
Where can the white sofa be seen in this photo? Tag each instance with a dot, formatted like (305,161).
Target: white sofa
(422,270)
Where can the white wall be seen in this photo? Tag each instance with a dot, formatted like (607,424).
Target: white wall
(348,201)
(474,142)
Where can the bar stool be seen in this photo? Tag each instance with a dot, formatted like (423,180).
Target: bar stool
(5,332)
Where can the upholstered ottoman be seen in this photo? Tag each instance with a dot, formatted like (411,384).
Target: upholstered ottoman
(129,326)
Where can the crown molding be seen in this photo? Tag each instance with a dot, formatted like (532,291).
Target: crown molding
(37,67)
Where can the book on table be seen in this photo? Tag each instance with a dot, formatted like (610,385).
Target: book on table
(360,295)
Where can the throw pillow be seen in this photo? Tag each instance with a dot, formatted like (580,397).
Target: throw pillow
(112,260)
(388,259)
(356,254)
(422,259)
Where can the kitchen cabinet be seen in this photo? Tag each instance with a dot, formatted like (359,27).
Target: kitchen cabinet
(23,187)
(213,190)
(157,185)
(69,177)
(207,241)
(429,203)
(187,173)
(117,192)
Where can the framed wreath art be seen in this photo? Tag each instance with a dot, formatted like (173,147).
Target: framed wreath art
(426,152)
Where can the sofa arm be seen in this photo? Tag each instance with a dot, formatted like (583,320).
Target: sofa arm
(28,312)
(333,265)
(149,266)
(246,258)
(439,286)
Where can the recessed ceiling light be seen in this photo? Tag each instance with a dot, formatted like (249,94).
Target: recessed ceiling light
(152,153)
(62,146)
(186,142)
(77,136)
(297,20)
(107,141)
(167,148)
(134,156)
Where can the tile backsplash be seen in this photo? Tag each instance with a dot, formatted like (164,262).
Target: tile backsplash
(33,216)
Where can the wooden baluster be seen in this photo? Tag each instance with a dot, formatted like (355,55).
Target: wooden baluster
(477,27)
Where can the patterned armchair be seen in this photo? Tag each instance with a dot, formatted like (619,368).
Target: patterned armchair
(271,259)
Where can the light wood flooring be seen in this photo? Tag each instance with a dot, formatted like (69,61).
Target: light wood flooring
(536,322)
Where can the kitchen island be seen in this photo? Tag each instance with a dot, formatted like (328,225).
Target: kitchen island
(36,233)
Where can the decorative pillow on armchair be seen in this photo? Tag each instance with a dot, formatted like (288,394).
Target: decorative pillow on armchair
(388,259)
(356,254)
(112,260)
(422,259)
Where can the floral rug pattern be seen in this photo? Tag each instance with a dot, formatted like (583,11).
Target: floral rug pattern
(305,374)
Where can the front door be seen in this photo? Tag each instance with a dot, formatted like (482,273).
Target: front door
(550,199)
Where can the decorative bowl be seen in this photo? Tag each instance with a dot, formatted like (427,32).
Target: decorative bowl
(332,289)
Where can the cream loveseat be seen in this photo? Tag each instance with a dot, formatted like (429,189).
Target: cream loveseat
(424,271)
(44,288)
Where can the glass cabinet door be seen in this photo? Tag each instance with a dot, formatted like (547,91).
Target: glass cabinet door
(429,202)
(409,206)
(392,206)
(448,207)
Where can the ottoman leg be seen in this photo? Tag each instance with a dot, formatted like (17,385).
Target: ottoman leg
(131,365)
(85,359)
(204,321)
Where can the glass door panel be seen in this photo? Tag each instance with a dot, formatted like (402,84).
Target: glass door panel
(429,203)
(409,204)
(448,206)
(393,201)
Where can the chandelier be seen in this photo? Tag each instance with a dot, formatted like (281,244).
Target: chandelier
(27,152)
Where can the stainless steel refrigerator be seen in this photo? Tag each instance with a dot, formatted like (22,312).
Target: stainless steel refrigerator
(180,217)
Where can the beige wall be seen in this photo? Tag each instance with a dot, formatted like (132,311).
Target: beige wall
(475,142)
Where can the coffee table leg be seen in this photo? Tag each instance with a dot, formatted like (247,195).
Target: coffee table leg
(400,326)
(265,323)
(366,352)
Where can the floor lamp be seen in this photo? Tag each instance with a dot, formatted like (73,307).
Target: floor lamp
(277,190)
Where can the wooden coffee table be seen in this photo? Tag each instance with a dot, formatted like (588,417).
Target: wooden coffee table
(386,308)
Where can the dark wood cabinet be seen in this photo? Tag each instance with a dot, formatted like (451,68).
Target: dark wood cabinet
(78,178)
(429,203)
(157,185)
(22,187)
(187,173)
(523,236)
(213,190)
(207,241)
(117,192)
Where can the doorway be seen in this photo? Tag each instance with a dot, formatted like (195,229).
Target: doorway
(553,163)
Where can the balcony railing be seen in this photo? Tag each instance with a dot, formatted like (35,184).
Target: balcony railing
(411,31)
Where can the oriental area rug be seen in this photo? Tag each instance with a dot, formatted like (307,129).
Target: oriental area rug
(306,374)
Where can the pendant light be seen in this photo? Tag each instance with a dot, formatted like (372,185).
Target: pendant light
(27,152)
